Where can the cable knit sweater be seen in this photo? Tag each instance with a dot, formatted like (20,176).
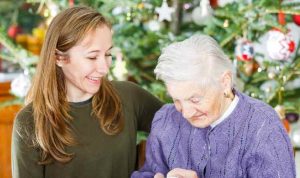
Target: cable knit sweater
(250,142)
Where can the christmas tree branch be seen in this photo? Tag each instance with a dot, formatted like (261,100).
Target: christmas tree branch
(19,55)
(7,58)
(290,11)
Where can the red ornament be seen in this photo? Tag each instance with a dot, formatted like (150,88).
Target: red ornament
(296,19)
(71,3)
(13,30)
(213,3)
(281,18)
(292,46)
(244,50)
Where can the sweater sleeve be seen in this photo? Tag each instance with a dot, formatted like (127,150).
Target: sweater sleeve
(23,155)
(155,162)
(273,156)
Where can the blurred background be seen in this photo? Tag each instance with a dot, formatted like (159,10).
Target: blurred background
(260,36)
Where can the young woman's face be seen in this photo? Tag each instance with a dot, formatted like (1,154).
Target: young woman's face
(88,61)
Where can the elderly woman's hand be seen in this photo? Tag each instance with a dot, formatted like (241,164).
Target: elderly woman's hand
(159,175)
(182,173)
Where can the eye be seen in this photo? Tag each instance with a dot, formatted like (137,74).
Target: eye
(92,58)
(108,56)
(195,100)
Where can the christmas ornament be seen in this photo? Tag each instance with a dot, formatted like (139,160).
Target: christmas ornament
(164,12)
(187,6)
(293,84)
(292,117)
(271,75)
(286,125)
(54,8)
(281,18)
(71,3)
(268,86)
(295,135)
(153,25)
(20,85)
(250,67)
(141,5)
(281,113)
(226,23)
(280,46)
(118,10)
(296,19)
(203,13)
(119,70)
(244,50)
(13,31)
(213,3)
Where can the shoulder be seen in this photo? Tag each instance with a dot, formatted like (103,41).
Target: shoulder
(167,118)
(262,119)
(260,110)
(24,122)
(131,92)
(125,86)
(25,114)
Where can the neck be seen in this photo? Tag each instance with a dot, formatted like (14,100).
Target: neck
(226,103)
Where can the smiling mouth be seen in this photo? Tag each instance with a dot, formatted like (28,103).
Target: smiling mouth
(94,79)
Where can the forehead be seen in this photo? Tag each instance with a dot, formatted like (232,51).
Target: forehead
(184,89)
(100,37)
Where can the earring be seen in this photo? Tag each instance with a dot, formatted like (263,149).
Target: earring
(229,95)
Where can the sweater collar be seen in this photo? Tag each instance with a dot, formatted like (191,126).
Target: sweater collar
(240,109)
(228,111)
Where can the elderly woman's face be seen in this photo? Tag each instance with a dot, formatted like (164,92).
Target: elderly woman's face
(201,107)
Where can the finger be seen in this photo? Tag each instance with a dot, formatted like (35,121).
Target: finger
(159,175)
(182,173)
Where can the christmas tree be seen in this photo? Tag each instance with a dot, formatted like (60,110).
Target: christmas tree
(242,28)
(260,36)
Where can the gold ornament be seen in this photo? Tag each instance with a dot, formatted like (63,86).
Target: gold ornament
(280,111)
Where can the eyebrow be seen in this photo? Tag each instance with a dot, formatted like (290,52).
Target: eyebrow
(99,50)
(196,96)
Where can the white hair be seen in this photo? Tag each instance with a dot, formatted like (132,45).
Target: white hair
(198,58)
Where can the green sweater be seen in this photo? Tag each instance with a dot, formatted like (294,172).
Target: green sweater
(97,155)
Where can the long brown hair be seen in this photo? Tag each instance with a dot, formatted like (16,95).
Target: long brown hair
(48,92)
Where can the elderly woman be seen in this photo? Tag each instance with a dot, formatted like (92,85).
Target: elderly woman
(212,129)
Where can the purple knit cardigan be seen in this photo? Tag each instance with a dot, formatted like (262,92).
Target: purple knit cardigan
(251,142)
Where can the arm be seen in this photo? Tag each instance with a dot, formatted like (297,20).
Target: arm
(155,162)
(273,156)
(23,155)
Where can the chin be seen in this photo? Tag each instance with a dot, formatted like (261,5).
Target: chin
(92,91)
(199,124)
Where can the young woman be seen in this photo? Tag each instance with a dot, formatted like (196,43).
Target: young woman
(77,123)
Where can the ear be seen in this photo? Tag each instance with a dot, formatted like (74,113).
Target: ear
(226,80)
(61,58)
(59,62)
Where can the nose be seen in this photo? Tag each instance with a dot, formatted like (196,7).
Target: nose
(102,65)
(187,110)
